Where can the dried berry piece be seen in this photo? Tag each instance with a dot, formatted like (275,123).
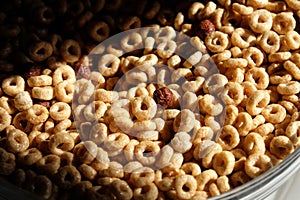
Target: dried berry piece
(81,70)
(164,97)
(33,71)
(46,104)
(204,28)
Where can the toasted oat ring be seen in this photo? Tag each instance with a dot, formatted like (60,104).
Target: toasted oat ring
(37,114)
(40,51)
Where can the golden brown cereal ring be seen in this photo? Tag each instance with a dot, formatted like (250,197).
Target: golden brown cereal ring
(29,156)
(252,168)
(67,176)
(223,163)
(98,31)
(37,114)
(261,21)
(60,111)
(60,142)
(217,42)
(281,146)
(70,50)
(16,140)
(274,113)
(40,51)
(5,119)
(49,164)
(228,137)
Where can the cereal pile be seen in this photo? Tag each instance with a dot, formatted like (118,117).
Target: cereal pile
(202,99)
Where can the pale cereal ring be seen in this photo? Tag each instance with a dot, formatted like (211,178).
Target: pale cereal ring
(231,113)
(254,144)
(166,49)
(37,81)
(281,146)
(131,42)
(292,39)
(115,142)
(217,42)
(228,137)
(144,108)
(233,93)
(290,88)
(279,56)
(64,91)
(181,142)
(205,178)
(142,176)
(292,131)
(60,111)
(257,101)
(270,42)
(292,68)
(5,119)
(235,74)
(243,123)
(61,142)
(252,168)
(215,83)
(254,56)
(274,113)
(152,149)
(242,9)
(223,163)
(13,85)
(40,51)
(194,10)
(261,21)
(8,104)
(43,93)
(23,101)
(98,31)
(98,133)
(235,63)
(210,105)
(70,50)
(185,186)
(242,38)
(258,76)
(16,140)
(108,65)
(184,121)
(37,114)
(63,73)
(284,22)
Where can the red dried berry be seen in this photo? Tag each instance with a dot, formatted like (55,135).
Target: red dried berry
(204,28)
(46,104)
(33,71)
(164,97)
(82,71)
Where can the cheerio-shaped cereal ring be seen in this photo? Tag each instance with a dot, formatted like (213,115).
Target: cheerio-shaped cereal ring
(261,21)
(257,101)
(17,141)
(23,101)
(37,114)
(64,73)
(108,65)
(5,119)
(144,108)
(284,22)
(13,85)
(217,42)
(60,111)
(37,81)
